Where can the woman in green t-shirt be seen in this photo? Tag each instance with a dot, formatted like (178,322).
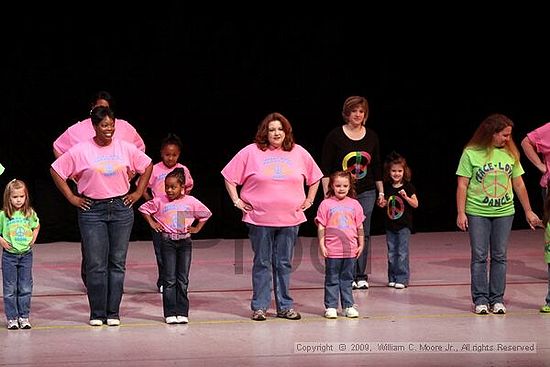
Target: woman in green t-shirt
(489,173)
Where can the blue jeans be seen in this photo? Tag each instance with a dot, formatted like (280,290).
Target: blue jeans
(362,267)
(398,255)
(338,279)
(488,236)
(17,284)
(176,257)
(157,241)
(105,229)
(273,250)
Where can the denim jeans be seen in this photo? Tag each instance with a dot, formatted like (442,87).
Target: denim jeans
(157,242)
(338,279)
(548,294)
(273,250)
(362,267)
(176,257)
(398,255)
(105,229)
(17,284)
(488,236)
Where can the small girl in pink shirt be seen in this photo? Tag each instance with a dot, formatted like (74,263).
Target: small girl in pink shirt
(170,150)
(175,216)
(340,230)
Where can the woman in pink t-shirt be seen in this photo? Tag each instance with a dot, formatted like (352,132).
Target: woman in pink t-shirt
(84,130)
(101,167)
(271,173)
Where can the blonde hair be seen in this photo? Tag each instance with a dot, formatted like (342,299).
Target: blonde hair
(8,207)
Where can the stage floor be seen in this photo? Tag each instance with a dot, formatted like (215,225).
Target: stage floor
(430,323)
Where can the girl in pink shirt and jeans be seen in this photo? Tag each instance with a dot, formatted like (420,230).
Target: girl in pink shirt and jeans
(341,240)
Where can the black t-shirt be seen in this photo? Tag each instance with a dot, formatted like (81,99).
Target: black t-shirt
(398,213)
(360,157)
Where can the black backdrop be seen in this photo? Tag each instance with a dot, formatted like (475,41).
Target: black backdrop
(212,80)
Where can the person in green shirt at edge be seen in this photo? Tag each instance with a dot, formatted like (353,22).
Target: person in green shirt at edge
(489,173)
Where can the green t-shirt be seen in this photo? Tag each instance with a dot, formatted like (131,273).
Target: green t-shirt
(547,243)
(18,230)
(490,192)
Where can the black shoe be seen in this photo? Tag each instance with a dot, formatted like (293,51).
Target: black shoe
(289,314)
(259,315)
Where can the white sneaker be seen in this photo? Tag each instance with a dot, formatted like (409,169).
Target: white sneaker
(24,323)
(391,284)
(499,308)
(113,322)
(330,313)
(481,309)
(96,322)
(351,312)
(354,285)
(13,324)
(362,284)
(171,320)
(399,286)
(182,319)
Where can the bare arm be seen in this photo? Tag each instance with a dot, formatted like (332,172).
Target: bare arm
(521,192)
(310,198)
(380,188)
(321,237)
(412,200)
(232,191)
(35,234)
(461,188)
(5,244)
(56,153)
(197,227)
(62,185)
(140,187)
(147,196)
(360,241)
(324,182)
(234,195)
(530,151)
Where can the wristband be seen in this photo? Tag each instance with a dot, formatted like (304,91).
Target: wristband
(380,194)
(236,202)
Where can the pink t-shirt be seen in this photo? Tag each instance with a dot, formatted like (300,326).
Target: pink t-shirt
(341,218)
(101,171)
(541,138)
(156,182)
(273,183)
(178,215)
(84,130)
